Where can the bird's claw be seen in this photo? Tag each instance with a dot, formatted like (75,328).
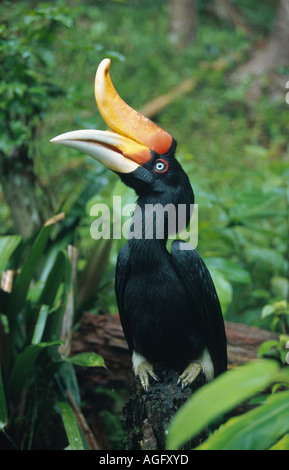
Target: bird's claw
(190,374)
(144,370)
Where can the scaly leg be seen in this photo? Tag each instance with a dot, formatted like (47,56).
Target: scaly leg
(143,369)
(190,374)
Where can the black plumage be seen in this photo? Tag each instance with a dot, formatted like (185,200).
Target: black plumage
(167,301)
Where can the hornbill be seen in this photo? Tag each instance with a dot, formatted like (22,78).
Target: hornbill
(168,305)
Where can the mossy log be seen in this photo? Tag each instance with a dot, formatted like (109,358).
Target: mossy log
(103,334)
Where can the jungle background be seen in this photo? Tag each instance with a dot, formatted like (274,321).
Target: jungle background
(214,74)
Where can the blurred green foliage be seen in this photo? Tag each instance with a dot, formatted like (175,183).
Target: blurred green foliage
(257,429)
(27,85)
(37,317)
(234,150)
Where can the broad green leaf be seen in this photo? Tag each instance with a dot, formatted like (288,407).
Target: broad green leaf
(67,376)
(51,254)
(266,346)
(218,397)
(266,257)
(66,235)
(40,324)
(94,270)
(256,150)
(267,310)
(71,426)
(280,286)
(59,276)
(282,444)
(24,364)
(7,246)
(257,429)
(87,359)
(232,271)
(21,285)
(224,289)
(3,405)
(54,279)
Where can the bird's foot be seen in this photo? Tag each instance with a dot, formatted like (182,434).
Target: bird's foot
(190,374)
(144,370)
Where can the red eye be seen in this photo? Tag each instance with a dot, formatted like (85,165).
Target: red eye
(161,166)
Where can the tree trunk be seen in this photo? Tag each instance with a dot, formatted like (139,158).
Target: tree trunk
(226,11)
(19,187)
(182,22)
(274,53)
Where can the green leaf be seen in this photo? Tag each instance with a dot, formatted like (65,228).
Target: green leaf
(67,375)
(224,289)
(3,405)
(266,257)
(256,151)
(71,426)
(21,285)
(232,271)
(7,246)
(40,324)
(59,276)
(266,346)
(267,310)
(282,444)
(257,429)
(94,270)
(218,397)
(87,359)
(280,286)
(54,279)
(24,364)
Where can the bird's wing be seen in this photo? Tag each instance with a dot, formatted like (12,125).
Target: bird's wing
(203,297)
(121,278)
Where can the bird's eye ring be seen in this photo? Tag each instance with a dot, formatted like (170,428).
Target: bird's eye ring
(161,166)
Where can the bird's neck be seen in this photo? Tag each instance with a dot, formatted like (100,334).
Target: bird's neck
(148,234)
(147,254)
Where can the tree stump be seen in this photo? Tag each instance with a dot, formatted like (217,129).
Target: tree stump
(147,415)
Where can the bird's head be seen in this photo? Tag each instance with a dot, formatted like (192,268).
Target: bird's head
(139,151)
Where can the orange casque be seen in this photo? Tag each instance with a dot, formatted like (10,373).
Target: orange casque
(124,120)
